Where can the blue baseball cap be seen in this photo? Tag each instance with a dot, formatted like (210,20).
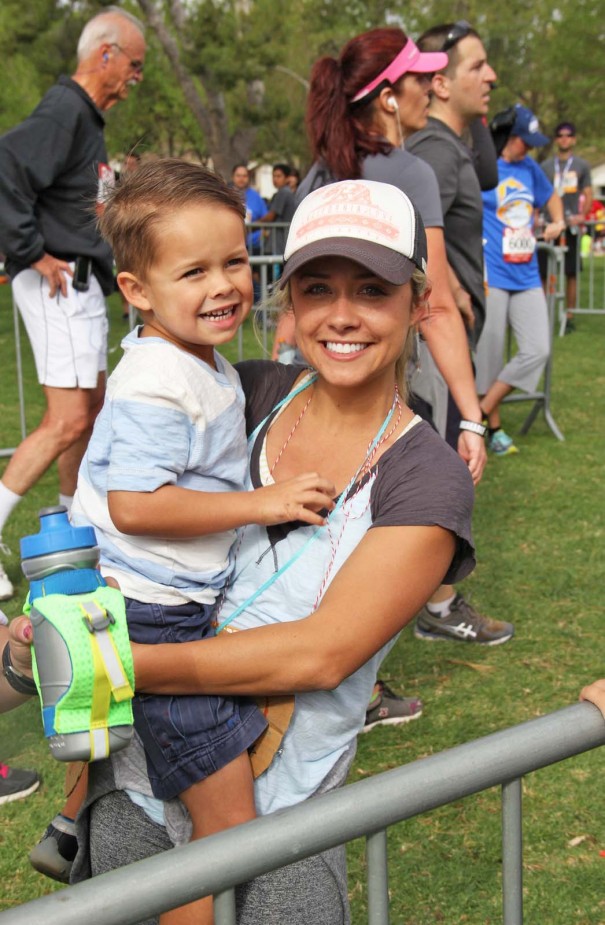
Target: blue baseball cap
(527,128)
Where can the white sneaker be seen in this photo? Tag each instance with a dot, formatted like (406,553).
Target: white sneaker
(6,587)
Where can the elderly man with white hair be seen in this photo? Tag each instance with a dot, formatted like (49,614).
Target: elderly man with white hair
(53,167)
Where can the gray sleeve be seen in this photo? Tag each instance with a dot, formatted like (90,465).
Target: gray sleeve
(424,193)
(411,175)
(443,158)
(548,166)
(421,481)
(278,203)
(584,176)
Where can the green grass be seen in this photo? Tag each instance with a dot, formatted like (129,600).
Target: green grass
(540,529)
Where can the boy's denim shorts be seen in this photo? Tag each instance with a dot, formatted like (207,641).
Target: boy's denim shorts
(190,737)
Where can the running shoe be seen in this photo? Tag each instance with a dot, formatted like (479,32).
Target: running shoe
(17,783)
(388,709)
(463,623)
(54,854)
(500,444)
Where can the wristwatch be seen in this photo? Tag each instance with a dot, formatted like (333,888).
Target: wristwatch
(473,427)
(18,681)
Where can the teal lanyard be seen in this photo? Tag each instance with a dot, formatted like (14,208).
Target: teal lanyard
(273,578)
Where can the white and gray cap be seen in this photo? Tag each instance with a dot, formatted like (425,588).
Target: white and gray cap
(374,224)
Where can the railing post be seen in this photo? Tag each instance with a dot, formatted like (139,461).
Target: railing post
(512,853)
(8,451)
(224,908)
(378,878)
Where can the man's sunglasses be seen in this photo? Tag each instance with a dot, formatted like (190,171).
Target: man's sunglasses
(458,31)
(136,65)
(565,135)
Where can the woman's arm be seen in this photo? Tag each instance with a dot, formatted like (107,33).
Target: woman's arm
(556,225)
(379,589)
(446,338)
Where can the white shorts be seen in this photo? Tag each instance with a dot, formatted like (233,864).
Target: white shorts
(68,334)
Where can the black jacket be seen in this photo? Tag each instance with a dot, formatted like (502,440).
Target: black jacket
(50,172)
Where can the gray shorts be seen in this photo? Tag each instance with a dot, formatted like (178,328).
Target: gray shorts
(68,334)
(527,314)
(309,892)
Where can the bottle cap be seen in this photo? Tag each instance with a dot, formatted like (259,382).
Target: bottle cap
(56,534)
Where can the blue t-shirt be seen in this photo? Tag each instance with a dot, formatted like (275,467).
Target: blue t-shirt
(255,209)
(508,220)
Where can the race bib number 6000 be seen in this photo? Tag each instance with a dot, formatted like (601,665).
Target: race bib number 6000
(518,245)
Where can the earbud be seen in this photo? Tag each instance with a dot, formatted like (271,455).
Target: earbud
(105,56)
(392,102)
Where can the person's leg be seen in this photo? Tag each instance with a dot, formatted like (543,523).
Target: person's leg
(120,834)
(68,336)
(529,321)
(310,892)
(69,415)
(68,463)
(220,801)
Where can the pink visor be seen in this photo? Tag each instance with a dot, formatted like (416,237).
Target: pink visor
(410,60)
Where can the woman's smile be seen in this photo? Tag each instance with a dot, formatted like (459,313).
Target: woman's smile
(347,317)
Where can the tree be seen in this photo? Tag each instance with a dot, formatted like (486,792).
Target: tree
(221,51)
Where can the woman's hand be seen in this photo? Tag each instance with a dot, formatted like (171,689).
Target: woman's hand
(18,636)
(595,693)
(471,447)
(298,498)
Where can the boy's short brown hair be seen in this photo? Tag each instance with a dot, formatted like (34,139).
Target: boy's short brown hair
(138,204)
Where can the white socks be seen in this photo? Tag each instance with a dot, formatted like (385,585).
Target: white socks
(66,501)
(441,609)
(8,501)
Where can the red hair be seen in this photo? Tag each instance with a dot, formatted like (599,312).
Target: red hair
(342,133)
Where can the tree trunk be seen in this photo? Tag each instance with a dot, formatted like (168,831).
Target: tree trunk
(224,150)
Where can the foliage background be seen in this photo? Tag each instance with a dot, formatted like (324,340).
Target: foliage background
(247,61)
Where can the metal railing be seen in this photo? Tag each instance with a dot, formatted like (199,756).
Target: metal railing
(218,863)
(590,293)
(555,292)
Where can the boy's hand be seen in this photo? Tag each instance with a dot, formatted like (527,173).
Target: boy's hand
(299,498)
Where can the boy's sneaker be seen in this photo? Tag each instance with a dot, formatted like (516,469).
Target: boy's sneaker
(500,444)
(462,623)
(54,854)
(17,783)
(387,709)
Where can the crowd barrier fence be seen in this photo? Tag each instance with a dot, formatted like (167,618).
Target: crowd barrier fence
(590,272)
(367,808)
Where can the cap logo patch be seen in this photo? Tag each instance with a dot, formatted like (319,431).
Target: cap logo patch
(349,205)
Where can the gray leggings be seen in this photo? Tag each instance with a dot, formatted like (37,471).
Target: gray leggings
(527,314)
(309,892)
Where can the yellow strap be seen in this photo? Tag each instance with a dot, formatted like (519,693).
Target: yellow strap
(109,677)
